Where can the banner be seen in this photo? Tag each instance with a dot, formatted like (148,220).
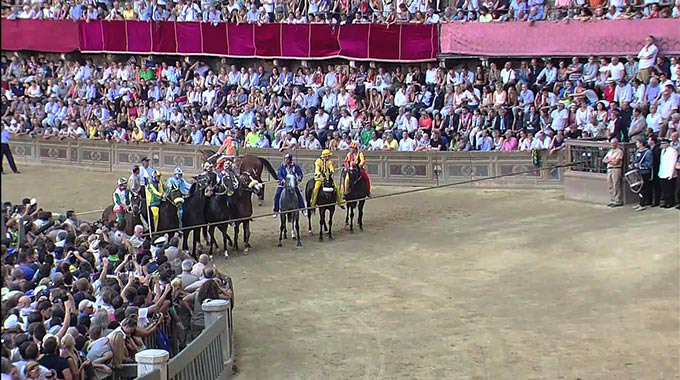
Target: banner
(46,36)
(399,43)
(575,38)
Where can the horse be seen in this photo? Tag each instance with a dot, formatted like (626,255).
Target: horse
(355,196)
(326,202)
(289,201)
(133,216)
(217,214)
(248,185)
(248,163)
(193,212)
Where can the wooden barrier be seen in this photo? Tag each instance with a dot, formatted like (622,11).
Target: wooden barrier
(385,168)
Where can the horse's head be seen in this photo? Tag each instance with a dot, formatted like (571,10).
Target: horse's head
(354,175)
(136,204)
(248,182)
(290,182)
(203,183)
(175,194)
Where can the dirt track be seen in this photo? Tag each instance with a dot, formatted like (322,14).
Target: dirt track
(446,284)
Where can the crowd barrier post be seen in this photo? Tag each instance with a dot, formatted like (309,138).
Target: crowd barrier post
(151,360)
(213,310)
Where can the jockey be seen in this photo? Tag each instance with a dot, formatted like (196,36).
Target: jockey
(181,184)
(323,168)
(228,147)
(207,168)
(229,179)
(155,190)
(121,200)
(288,167)
(355,158)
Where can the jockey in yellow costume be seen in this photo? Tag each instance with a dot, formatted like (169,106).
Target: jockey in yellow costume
(323,168)
(355,158)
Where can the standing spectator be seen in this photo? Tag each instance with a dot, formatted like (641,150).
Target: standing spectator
(667,173)
(647,57)
(614,161)
(656,162)
(642,161)
(6,151)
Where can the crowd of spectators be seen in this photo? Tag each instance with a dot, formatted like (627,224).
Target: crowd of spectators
(80,299)
(341,11)
(537,104)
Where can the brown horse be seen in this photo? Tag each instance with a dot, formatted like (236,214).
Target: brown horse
(249,163)
(244,207)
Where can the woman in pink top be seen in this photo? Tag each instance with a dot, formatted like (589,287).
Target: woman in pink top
(510,142)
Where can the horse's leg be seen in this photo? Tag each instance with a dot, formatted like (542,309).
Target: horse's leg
(322,217)
(360,218)
(296,219)
(196,236)
(347,214)
(236,228)
(351,217)
(260,197)
(211,236)
(246,237)
(309,220)
(223,228)
(331,211)
(284,216)
(207,235)
(282,226)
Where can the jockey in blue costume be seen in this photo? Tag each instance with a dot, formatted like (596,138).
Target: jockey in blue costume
(288,167)
(181,184)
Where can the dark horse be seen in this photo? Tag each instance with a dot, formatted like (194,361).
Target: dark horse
(133,216)
(355,196)
(288,210)
(326,202)
(248,185)
(217,213)
(248,163)
(193,212)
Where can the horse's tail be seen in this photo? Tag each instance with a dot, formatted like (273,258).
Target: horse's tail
(269,167)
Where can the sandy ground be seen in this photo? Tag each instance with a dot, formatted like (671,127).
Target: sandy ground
(446,284)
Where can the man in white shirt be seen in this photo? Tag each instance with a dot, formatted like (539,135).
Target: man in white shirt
(559,117)
(541,142)
(431,75)
(623,92)
(616,69)
(508,73)
(406,144)
(647,58)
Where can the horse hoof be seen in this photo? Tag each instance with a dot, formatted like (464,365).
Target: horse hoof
(226,254)
(259,203)
(279,245)
(330,237)
(320,238)
(299,244)
(351,230)
(211,257)
(246,250)
(361,229)
(311,232)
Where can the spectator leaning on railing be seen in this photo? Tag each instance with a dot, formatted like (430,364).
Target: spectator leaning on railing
(80,299)
(193,102)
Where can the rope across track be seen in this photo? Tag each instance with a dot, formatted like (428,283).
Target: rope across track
(395,194)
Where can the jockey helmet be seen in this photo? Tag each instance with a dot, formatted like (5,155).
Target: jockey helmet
(178,171)
(354,145)
(326,153)
(122,181)
(288,157)
(207,166)
(156,173)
